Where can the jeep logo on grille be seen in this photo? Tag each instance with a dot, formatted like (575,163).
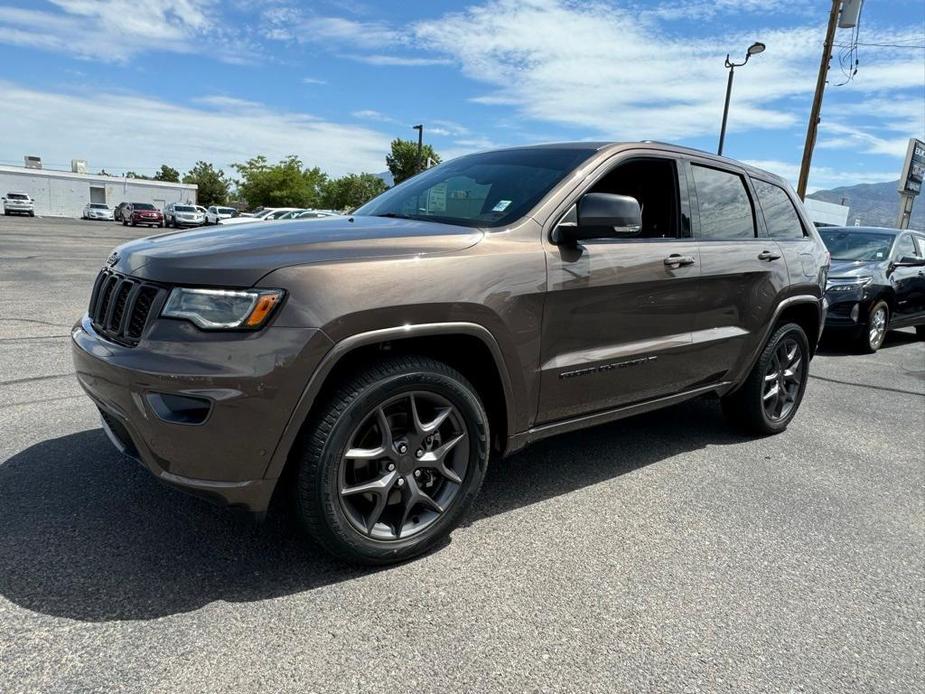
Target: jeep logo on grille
(111,260)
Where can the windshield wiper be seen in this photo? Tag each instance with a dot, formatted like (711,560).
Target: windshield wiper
(394,215)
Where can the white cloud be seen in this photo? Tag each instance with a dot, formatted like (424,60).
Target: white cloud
(123,132)
(396,60)
(313,80)
(822,177)
(88,28)
(613,71)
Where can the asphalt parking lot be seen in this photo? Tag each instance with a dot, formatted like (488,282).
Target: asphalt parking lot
(661,553)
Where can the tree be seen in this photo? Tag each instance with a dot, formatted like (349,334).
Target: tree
(403,160)
(285,184)
(212,182)
(168,174)
(351,191)
(132,174)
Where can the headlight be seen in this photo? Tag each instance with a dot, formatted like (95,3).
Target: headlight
(223,309)
(847,284)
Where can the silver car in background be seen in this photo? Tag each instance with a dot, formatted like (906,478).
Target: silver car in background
(178,214)
(97,210)
(18,203)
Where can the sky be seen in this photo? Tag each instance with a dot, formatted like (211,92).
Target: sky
(131,84)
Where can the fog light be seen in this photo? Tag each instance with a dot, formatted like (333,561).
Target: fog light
(855,310)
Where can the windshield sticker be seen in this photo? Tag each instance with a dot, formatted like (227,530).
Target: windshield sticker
(501,206)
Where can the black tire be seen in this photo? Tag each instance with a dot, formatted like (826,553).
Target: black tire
(920,331)
(124,223)
(867,342)
(32,214)
(319,488)
(746,407)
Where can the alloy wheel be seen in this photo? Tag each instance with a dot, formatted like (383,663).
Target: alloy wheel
(877,328)
(783,380)
(403,466)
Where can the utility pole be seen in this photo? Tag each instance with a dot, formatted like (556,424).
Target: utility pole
(420,129)
(817,100)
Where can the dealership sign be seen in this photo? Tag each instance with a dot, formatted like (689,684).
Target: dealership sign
(910,182)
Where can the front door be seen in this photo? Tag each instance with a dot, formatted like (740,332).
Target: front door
(908,281)
(617,320)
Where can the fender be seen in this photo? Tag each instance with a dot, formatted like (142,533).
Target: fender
(340,349)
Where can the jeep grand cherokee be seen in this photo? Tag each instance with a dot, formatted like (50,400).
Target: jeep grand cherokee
(371,365)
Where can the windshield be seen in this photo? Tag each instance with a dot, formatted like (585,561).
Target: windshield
(17,196)
(487,190)
(98,206)
(143,206)
(184,208)
(224,210)
(856,245)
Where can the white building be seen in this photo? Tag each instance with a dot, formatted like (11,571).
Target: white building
(826,212)
(64,193)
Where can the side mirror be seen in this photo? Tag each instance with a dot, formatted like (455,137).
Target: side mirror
(601,216)
(909,261)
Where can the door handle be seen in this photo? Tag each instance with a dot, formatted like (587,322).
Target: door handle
(768,255)
(676,260)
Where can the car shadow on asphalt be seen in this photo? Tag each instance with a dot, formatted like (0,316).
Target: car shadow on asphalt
(834,347)
(87,534)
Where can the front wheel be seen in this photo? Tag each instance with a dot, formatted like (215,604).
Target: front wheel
(771,395)
(392,461)
(872,337)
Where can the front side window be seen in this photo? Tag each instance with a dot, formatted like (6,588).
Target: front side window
(490,189)
(725,208)
(653,182)
(780,215)
(906,248)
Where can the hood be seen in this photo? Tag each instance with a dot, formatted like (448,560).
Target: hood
(854,268)
(238,256)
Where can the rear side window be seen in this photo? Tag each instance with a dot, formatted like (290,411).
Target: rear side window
(725,208)
(779,213)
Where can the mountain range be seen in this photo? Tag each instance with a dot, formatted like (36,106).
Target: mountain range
(872,204)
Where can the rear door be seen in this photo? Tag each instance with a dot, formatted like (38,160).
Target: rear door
(907,281)
(617,320)
(743,272)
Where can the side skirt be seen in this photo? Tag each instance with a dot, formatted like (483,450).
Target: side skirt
(519,441)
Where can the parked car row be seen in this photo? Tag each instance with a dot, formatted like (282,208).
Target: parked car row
(269,214)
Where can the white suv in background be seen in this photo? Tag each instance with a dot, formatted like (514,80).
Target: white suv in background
(216,213)
(178,214)
(19,203)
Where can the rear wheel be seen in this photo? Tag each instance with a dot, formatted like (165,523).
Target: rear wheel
(771,395)
(920,331)
(392,461)
(871,338)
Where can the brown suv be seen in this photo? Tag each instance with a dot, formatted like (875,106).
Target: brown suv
(371,365)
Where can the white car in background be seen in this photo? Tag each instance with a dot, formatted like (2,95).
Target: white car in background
(178,214)
(217,213)
(97,210)
(316,214)
(266,215)
(18,203)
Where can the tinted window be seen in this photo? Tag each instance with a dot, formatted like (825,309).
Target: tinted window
(489,189)
(98,206)
(17,196)
(779,214)
(184,208)
(142,206)
(725,208)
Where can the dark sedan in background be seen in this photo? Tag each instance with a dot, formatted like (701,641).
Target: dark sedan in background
(876,283)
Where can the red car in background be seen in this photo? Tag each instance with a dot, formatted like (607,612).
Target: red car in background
(136,213)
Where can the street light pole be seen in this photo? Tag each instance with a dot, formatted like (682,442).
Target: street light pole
(420,129)
(754,49)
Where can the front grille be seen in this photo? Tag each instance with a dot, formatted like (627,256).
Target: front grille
(121,306)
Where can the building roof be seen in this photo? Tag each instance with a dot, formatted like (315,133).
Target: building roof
(93,178)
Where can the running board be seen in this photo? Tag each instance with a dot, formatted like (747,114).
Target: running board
(589,420)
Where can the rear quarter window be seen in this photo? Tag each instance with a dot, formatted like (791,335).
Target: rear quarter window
(780,215)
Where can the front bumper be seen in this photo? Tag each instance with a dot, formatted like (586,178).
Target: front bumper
(250,382)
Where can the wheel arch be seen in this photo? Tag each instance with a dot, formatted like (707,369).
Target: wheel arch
(468,347)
